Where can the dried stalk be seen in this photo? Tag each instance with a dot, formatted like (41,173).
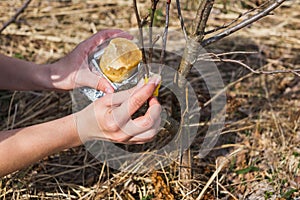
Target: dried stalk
(141,37)
(223,161)
(14,18)
(243,23)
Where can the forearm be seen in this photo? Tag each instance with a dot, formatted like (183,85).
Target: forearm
(22,147)
(19,74)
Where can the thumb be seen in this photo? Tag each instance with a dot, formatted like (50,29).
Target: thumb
(97,82)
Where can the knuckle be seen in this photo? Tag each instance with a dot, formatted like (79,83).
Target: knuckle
(152,134)
(137,101)
(100,84)
(111,126)
(158,121)
(121,138)
(148,122)
(159,108)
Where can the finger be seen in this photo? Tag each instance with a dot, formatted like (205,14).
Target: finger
(153,100)
(101,36)
(143,123)
(135,101)
(87,78)
(119,97)
(145,137)
(104,85)
(123,34)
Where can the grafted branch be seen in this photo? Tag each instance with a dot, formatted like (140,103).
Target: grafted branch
(151,43)
(165,34)
(141,37)
(183,28)
(193,44)
(199,23)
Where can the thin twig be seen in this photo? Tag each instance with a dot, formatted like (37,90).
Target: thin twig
(183,28)
(222,27)
(144,21)
(141,39)
(153,9)
(13,19)
(208,56)
(165,34)
(279,71)
(242,24)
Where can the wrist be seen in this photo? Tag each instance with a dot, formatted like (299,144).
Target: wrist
(74,136)
(44,77)
(69,136)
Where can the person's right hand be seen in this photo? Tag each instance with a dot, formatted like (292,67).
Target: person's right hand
(109,118)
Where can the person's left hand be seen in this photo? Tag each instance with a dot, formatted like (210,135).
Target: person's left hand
(73,71)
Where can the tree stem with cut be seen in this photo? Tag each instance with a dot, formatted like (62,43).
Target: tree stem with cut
(151,43)
(165,34)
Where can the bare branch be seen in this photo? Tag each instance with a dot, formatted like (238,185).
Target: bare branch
(153,9)
(165,34)
(13,19)
(203,11)
(224,26)
(235,20)
(243,23)
(141,37)
(183,28)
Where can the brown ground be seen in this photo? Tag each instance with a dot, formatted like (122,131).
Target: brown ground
(258,154)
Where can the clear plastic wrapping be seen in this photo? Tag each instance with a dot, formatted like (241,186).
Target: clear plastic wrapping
(94,60)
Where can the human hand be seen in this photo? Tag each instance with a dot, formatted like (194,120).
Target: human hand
(73,71)
(109,118)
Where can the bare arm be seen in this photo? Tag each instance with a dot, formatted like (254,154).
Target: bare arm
(69,72)
(23,75)
(21,147)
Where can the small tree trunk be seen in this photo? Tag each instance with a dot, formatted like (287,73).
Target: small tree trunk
(189,57)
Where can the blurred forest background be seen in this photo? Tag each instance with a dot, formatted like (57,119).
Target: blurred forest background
(258,154)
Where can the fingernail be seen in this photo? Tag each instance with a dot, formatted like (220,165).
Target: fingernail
(140,83)
(156,79)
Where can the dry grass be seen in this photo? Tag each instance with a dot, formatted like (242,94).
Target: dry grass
(257,156)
